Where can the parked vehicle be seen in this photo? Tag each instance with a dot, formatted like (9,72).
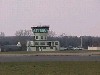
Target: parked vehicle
(77,48)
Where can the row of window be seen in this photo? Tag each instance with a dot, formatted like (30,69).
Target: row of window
(37,37)
(48,43)
(50,47)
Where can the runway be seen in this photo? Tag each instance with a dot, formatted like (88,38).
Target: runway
(32,58)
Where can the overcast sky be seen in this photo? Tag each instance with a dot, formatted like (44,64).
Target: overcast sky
(73,17)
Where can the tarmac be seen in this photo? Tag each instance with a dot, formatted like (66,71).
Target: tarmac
(89,56)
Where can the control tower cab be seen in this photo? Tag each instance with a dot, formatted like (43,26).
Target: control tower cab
(40,33)
(40,42)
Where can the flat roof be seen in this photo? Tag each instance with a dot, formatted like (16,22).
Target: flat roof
(40,27)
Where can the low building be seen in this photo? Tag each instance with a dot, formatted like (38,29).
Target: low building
(40,42)
(7,48)
(93,48)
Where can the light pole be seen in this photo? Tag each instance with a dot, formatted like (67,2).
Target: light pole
(81,41)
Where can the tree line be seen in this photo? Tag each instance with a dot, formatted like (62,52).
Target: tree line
(65,41)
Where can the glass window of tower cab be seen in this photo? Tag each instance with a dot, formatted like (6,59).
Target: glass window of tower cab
(40,42)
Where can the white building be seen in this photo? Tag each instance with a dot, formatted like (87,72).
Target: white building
(40,42)
(93,48)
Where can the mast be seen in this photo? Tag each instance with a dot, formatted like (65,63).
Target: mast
(81,42)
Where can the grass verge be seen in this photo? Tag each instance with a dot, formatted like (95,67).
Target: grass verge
(34,52)
(50,68)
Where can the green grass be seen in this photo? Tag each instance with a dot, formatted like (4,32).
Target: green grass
(50,68)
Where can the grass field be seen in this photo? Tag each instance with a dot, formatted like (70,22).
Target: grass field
(50,68)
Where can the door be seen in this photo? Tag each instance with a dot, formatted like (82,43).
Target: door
(37,48)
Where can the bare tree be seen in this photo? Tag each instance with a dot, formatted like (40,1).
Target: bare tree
(2,34)
(24,33)
(51,34)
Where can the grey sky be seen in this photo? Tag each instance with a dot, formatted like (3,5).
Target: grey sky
(73,17)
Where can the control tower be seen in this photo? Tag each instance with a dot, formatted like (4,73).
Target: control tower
(40,42)
(41,32)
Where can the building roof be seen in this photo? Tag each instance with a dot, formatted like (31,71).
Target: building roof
(40,27)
